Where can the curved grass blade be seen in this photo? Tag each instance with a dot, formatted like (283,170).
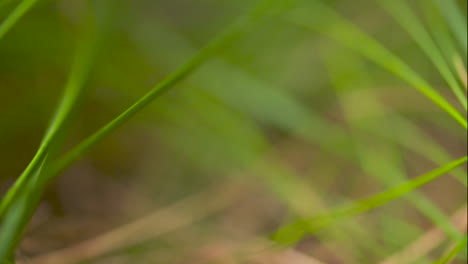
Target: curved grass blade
(408,20)
(263,9)
(18,206)
(453,252)
(15,15)
(294,232)
(317,15)
(73,91)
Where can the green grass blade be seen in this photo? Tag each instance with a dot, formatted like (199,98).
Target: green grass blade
(224,39)
(17,13)
(19,204)
(320,18)
(292,233)
(408,20)
(453,252)
(73,90)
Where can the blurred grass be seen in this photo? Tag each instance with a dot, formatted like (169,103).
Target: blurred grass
(305,122)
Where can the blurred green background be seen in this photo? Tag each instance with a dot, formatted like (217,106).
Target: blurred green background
(286,122)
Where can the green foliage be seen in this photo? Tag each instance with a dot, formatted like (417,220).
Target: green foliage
(232,102)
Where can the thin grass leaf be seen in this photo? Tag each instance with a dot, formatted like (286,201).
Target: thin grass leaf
(408,20)
(292,233)
(320,18)
(263,9)
(15,15)
(18,205)
(73,91)
(453,252)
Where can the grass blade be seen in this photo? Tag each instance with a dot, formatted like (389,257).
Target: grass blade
(73,90)
(18,205)
(292,233)
(17,13)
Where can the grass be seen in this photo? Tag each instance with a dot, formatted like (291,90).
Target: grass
(15,15)
(409,21)
(20,198)
(387,166)
(234,108)
(352,36)
(452,253)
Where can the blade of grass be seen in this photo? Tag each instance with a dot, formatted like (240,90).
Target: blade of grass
(292,233)
(319,17)
(261,10)
(15,15)
(18,205)
(408,20)
(457,248)
(73,91)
